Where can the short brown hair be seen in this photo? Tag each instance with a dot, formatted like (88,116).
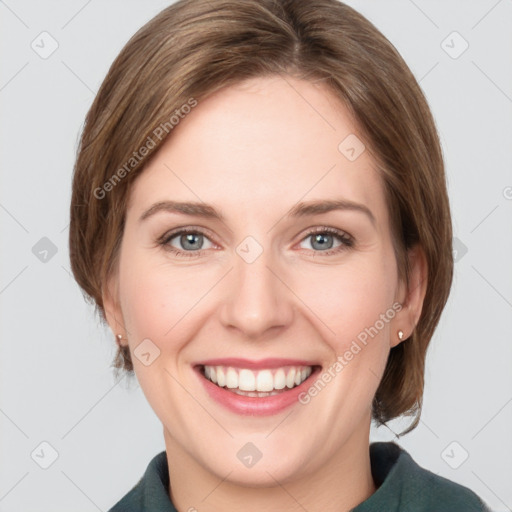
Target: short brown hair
(196,47)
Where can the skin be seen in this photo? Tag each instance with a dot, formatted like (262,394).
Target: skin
(253,151)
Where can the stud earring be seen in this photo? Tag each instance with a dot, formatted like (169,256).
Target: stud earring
(119,338)
(400,334)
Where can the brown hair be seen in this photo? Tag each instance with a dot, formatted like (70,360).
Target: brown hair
(196,47)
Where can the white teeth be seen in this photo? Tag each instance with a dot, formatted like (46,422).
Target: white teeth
(257,383)
(231,378)
(290,378)
(221,376)
(246,380)
(279,379)
(265,381)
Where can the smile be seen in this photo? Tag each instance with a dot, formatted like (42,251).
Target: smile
(267,382)
(250,388)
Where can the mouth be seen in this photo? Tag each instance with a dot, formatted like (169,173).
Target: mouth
(256,388)
(257,383)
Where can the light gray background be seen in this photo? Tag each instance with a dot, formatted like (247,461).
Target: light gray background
(56,384)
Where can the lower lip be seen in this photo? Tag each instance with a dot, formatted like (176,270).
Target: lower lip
(252,405)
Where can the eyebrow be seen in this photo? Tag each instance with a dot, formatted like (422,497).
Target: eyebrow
(302,209)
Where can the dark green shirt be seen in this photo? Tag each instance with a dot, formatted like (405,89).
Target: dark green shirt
(402,486)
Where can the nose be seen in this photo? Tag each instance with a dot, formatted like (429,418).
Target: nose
(257,301)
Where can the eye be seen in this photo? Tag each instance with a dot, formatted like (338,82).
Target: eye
(323,239)
(190,242)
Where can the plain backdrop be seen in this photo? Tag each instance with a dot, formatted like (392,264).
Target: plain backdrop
(57,387)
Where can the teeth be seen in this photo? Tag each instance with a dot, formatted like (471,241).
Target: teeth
(231,378)
(279,379)
(290,378)
(245,380)
(221,376)
(257,383)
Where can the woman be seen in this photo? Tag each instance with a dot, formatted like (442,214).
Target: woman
(260,213)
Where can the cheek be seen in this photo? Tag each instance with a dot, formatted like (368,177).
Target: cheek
(155,296)
(354,303)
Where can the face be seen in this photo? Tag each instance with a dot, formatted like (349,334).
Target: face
(257,290)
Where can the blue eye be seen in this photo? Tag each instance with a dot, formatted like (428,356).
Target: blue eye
(191,241)
(322,239)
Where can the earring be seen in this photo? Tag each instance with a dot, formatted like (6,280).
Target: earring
(119,338)
(400,334)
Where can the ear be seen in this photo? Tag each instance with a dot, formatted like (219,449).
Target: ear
(411,297)
(111,305)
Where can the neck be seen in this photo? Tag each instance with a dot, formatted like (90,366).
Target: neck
(339,484)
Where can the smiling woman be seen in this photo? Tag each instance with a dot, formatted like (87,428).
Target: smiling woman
(274,266)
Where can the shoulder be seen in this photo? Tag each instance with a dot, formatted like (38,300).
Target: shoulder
(150,492)
(414,488)
(131,501)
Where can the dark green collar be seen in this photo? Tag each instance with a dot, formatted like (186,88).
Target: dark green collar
(402,485)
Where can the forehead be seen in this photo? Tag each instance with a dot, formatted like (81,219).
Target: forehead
(262,145)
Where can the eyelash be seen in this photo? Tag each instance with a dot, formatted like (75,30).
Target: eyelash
(347,241)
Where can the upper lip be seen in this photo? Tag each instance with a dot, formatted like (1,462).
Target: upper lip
(273,362)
